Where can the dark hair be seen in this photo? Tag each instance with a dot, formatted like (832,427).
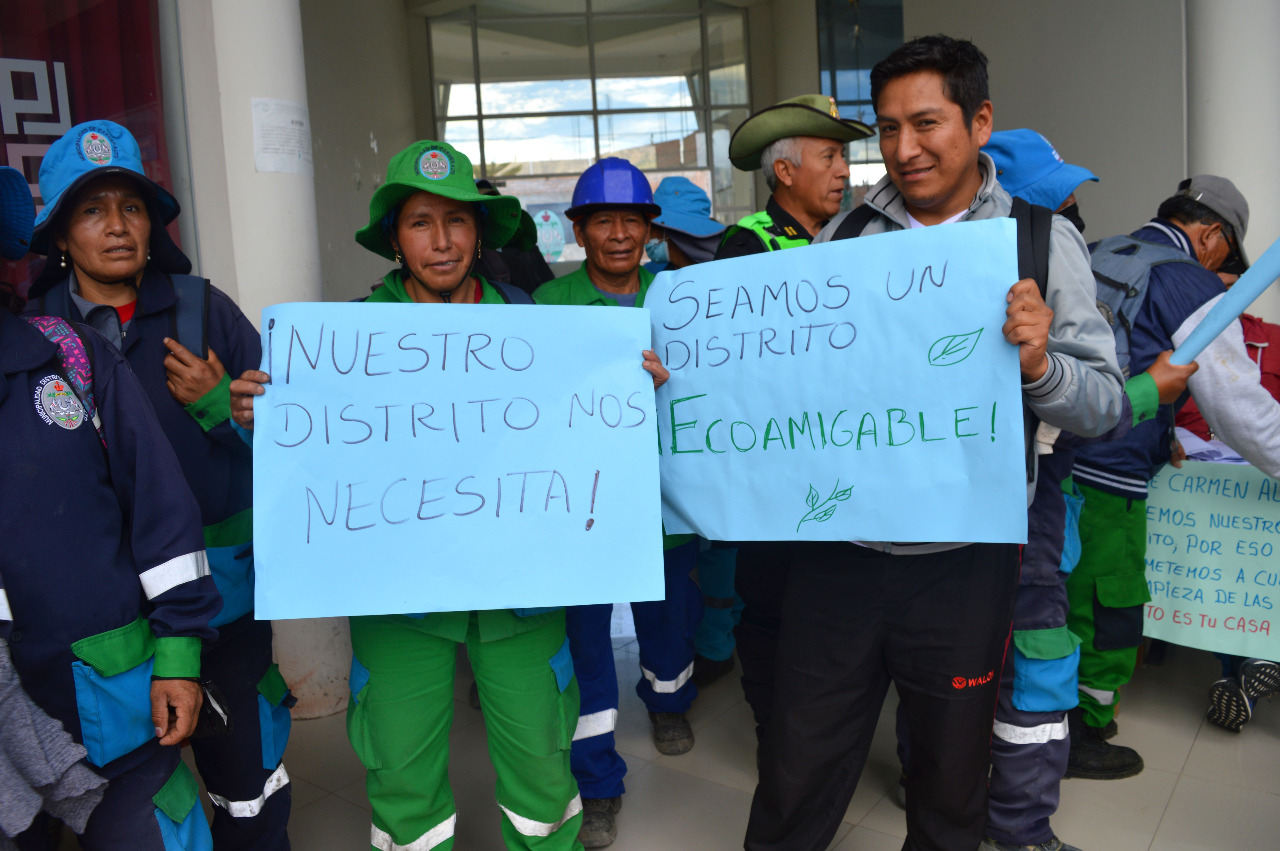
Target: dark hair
(962,65)
(1184,208)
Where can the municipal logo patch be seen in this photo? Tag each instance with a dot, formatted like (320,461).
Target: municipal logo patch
(435,163)
(57,403)
(96,148)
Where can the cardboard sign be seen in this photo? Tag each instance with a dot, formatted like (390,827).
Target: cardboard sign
(415,458)
(855,390)
(1213,533)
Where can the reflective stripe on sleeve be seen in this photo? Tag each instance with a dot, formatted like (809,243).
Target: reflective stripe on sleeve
(5,613)
(1104,698)
(381,840)
(529,827)
(174,572)
(667,686)
(596,724)
(1037,735)
(248,809)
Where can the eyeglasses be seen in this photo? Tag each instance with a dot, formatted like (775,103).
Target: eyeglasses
(1234,262)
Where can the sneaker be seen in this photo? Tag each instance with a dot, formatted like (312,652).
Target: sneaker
(1228,705)
(1259,678)
(1093,758)
(672,734)
(707,671)
(599,827)
(1054,844)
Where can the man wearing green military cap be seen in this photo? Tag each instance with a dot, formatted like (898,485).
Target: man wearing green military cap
(800,145)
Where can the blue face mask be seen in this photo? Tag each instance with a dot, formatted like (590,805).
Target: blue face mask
(657,251)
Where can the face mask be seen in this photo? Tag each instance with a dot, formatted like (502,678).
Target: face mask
(657,251)
(1072,214)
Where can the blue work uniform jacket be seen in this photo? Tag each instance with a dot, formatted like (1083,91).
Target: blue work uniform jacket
(105,575)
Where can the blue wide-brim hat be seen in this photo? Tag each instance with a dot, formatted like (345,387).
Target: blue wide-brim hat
(685,208)
(1029,167)
(17,212)
(87,151)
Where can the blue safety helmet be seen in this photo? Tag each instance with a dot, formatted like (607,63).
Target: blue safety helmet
(87,151)
(17,211)
(612,182)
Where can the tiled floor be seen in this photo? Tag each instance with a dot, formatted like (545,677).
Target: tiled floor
(1203,788)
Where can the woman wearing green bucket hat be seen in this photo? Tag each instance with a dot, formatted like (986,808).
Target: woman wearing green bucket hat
(430,219)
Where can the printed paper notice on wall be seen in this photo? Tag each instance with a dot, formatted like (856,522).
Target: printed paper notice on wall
(281,137)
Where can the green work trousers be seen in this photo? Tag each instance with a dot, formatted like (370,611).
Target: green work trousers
(1106,593)
(402,707)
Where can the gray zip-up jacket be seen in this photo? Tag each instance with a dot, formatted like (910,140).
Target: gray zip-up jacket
(1082,390)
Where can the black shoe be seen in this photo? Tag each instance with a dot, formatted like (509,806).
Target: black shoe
(1259,678)
(1228,705)
(672,734)
(707,671)
(1092,758)
(599,827)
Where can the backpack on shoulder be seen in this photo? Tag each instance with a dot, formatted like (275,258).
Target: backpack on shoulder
(1122,268)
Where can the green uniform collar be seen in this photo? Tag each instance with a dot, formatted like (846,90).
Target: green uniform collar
(576,288)
(392,291)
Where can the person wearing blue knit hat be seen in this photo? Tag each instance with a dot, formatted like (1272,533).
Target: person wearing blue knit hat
(684,232)
(1029,167)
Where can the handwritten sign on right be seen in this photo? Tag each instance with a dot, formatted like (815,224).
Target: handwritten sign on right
(854,390)
(1213,532)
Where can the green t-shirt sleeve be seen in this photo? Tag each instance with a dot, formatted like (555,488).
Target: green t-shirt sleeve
(1144,397)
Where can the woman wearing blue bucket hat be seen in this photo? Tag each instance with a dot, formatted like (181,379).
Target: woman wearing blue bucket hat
(431,221)
(106,596)
(684,232)
(113,267)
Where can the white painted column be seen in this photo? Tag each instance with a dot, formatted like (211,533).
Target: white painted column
(1233,127)
(276,255)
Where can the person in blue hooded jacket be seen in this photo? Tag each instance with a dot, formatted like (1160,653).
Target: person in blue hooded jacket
(106,583)
(113,267)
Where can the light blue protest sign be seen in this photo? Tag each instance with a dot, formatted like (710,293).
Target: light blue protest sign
(421,459)
(855,390)
(1213,534)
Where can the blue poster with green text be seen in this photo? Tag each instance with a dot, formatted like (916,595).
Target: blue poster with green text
(854,390)
(423,458)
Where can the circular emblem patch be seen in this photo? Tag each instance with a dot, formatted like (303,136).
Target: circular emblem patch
(96,148)
(57,403)
(435,164)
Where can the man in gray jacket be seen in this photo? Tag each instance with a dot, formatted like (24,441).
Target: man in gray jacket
(933,619)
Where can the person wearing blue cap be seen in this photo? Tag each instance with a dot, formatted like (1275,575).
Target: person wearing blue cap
(113,267)
(106,589)
(611,214)
(1031,737)
(684,233)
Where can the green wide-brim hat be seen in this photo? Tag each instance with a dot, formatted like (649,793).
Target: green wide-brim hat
(807,115)
(438,168)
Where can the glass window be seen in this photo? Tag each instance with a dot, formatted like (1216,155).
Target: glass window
(662,83)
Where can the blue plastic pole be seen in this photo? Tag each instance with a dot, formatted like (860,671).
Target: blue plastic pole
(1243,293)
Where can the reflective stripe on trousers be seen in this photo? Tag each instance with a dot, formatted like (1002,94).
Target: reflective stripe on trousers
(248,809)
(529,827)
(381,840)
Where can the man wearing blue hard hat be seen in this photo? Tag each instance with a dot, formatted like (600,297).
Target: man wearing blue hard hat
(612,210)
(113,267)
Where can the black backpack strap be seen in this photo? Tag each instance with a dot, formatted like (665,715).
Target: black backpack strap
(855,223)
(1035,225)
(510,293)
(191,313)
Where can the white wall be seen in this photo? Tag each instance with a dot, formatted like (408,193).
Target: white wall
(360,87)
(1101,80)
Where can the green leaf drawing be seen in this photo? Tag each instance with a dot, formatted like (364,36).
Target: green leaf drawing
(953,348)
(822,510)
